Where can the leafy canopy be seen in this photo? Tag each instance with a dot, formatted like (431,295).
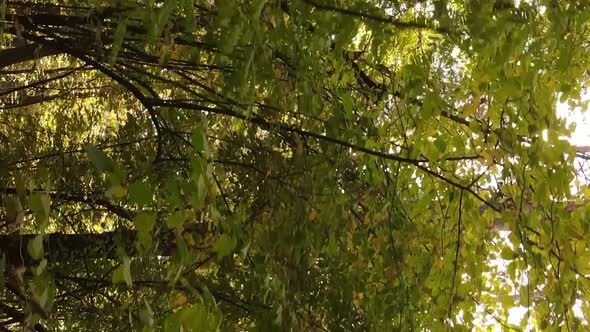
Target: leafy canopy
(196,165)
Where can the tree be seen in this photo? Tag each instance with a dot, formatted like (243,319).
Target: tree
(290,165)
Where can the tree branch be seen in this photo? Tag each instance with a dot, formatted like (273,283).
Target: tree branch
(388,20)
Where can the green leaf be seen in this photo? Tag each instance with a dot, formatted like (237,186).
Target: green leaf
(14,212)
(123,273)
(45,203)
(507,254)
(198,318)
(524,295)
(43,291)
(145,242)
(116,191)
(41,267)
(332,247)
(118,39)
(21,189)
(99,159)
(510,89)
(165,12)
(199,142)
(201,193)
(182,248)
(173,322)
(115,177)
(244,250)
(146,314)
(257,7)
(127,271)
(176,220)
(118,275)
(40,203)
(189,15)
(144,222)
(347,104)
(35,247)
(507,301)
(224,245)
(140,193)
(173,195)
(199,167)
(440,144)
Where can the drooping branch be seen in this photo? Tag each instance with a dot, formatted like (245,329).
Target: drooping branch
(33,100)
(128,85)
(41,82)
(418,162)
(380,19)
(63,153)
(264,124)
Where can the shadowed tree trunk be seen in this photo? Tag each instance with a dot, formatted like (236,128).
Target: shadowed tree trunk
(24,53)
(60,247)
(66,247)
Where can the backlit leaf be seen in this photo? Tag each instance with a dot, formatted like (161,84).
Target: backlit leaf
(35,247)
(144,222)
(140,193)
(224,245)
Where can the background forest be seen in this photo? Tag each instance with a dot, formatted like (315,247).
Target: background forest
(292,165)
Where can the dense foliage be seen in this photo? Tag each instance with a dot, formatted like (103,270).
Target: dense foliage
(305,165)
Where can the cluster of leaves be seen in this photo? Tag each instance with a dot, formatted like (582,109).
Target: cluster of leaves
(290,165)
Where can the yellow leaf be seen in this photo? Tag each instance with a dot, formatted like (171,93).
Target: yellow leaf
(357,297)
(470,109)
(117,191)
(438,264)
(179,301)
(389,273)
(312,215)
(489,156)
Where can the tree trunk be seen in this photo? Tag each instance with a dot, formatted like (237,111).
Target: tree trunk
(64,247)
(86,198)
(60,247)
(24,53)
